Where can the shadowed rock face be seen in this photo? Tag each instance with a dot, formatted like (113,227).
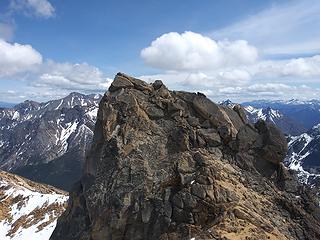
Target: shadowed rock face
(174,165)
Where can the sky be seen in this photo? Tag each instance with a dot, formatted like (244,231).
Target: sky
(228,49)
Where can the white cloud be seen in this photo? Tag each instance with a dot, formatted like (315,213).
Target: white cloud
(209,79)
(252,79)
(23,63)
(54,80)
(41,8)
(79,76)
(266,91)
(303,67)
(296,69)
(81,73)
(17,58)
(193,51)
(289,28)
(219,88)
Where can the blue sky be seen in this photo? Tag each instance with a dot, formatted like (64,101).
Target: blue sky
(236,49)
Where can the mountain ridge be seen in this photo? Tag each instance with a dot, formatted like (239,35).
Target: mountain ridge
(306,113)
(272,115)
(174,165)
(47,141)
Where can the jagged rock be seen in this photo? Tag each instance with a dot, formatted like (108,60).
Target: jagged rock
(119,83)
(157,84)
(241,112)
(155,112)
(247,137)
(174,165)
(274,143)
(210,136)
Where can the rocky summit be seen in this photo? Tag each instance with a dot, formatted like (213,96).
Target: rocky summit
(174,165)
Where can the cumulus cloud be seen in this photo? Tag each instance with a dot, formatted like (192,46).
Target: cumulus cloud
(41,8)
(17,58)
(43,78)
(267,91)
(54,80)
(208,79)
(193,51)
(79,76)
(295,77)
(82,73)
(306,69)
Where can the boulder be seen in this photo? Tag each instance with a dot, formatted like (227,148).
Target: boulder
(275,146)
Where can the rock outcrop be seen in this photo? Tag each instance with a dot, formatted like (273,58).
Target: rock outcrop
(173,165)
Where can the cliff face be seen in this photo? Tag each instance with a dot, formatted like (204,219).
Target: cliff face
(174,165)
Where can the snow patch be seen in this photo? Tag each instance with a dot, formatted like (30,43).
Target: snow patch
(29,201)
(92,114)
(59,105)
(16,115)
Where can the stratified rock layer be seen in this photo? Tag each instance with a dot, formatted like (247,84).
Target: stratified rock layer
(174,165)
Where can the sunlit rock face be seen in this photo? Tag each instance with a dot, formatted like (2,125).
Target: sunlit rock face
(174,165)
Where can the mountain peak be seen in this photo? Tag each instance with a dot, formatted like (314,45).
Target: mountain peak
(37,137)
(227,103)
(174,165)
(75,94)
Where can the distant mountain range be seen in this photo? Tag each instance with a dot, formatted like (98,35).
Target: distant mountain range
(306,113)
(174,165)
(6,105)
(288,124)
(46,142)
(300,121)
(28,210)
(304,156)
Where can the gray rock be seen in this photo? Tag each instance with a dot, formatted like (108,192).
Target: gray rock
(274,143)
(154,112)
(157,84)
(211,137)
(198,190)
(156,174)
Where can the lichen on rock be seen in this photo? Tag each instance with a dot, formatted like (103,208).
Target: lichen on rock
(174,165)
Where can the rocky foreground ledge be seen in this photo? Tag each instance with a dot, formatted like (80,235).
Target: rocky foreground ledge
(173,165)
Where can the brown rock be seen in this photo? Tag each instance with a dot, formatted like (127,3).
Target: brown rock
(174,165)
(119,83)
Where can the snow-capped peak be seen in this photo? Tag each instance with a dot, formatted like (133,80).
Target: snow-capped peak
(316,127)
(34,133)
(267,114)
(227,103)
